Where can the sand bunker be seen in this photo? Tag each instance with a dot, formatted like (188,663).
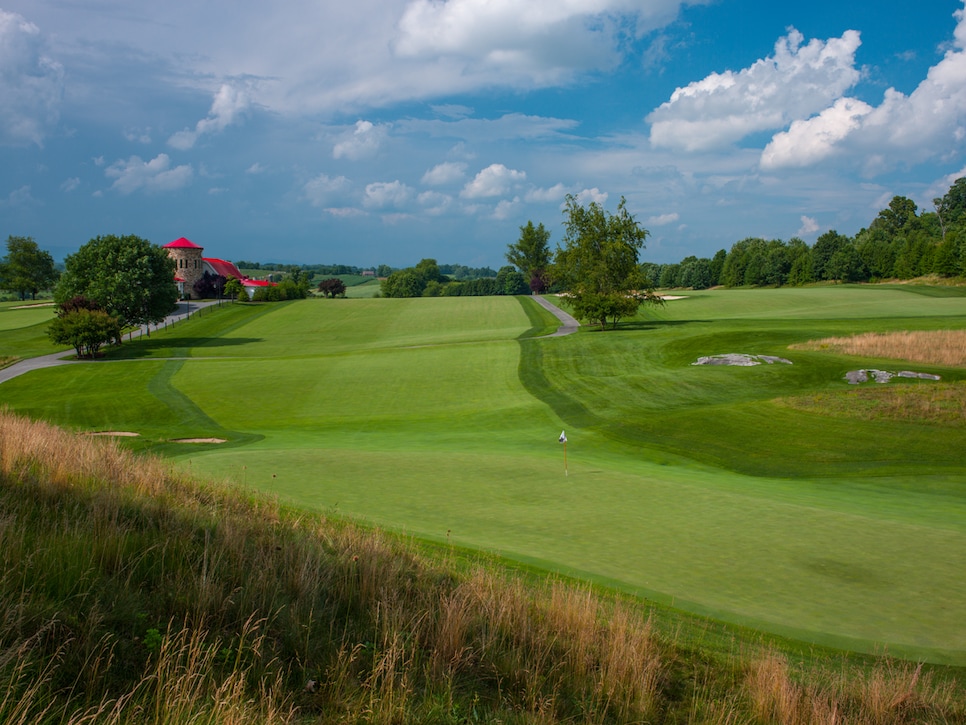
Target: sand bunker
(198,440)
(740,360)
(855,377)
(116,433)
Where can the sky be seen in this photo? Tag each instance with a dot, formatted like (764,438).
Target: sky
(387,131)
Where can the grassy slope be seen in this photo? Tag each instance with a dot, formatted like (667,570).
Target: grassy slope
(23,331)
(427,416)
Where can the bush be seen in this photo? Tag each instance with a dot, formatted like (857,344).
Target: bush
(85,330)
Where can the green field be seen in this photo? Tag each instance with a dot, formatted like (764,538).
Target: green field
(700,487)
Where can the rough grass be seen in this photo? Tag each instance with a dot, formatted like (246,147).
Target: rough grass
(931,347)
(938,404)
(132,594)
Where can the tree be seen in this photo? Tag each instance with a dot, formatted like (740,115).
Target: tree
(210,285)
(826,246)
(130,278)
(86,330)
(234,288)
(531,255)
(511,282)
(26,269)
(951,207)
(333,287)
(598,263)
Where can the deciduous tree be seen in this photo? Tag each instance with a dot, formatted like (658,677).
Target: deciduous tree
(598,263)
(27,269)
(130,278)
(530,254)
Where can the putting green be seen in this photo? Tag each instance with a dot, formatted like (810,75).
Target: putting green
(690,485)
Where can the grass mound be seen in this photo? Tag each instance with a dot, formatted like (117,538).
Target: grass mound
(131,593)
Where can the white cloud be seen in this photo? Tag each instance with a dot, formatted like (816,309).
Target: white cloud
(362,142)
(444,173)
(794,83)
(228,104)
(255,168)
(809,226)
(325,191)
(554,193)
(138,135)
(20,197)
(588,196)
(31,83)
(152,176)
(434,203)
(536,42)
(383,194)
(506,207)
(928,123)
(807,142)
(494,180)
(70,184)
(663,219)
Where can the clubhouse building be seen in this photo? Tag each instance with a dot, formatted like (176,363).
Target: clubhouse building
(191,265)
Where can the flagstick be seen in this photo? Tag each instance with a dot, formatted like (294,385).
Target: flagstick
(566,472)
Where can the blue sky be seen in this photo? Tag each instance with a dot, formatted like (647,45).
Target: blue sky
(386,131)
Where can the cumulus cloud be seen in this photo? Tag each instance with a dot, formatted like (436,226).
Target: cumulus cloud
(70,184)
(382,194)
(809,226)
(444,173)
(797,81)
(326,191)
(663,219)
(554,193)
(31,83)
(434,203)
(152,176)
(228,105)
(812,140)
(538,41)
(494,180)
(506,207)
(362,142)
(588,196)
(928,123)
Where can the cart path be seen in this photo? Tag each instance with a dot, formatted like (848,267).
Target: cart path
(568,324)
(64,358)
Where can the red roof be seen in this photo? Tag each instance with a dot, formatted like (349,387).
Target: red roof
(182,243)
(225,269)
(257,283)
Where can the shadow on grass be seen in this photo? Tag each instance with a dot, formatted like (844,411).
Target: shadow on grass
(172,346)
(638,325)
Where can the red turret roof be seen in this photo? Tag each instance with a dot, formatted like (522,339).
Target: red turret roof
(182,243)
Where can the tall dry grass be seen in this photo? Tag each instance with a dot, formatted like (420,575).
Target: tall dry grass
(934,347)
(131,594)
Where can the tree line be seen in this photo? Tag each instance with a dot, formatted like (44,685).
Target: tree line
(902,242)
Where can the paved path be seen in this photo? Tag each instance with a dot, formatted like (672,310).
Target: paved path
(568,324)
(185,310)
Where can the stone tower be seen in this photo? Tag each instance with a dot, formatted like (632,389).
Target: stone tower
(189,264)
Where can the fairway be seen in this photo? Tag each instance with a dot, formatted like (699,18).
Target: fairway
(711,489)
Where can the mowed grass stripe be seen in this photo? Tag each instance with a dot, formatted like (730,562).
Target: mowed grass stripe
(837,577)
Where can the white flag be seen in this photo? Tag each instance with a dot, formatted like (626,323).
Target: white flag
(563,437)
